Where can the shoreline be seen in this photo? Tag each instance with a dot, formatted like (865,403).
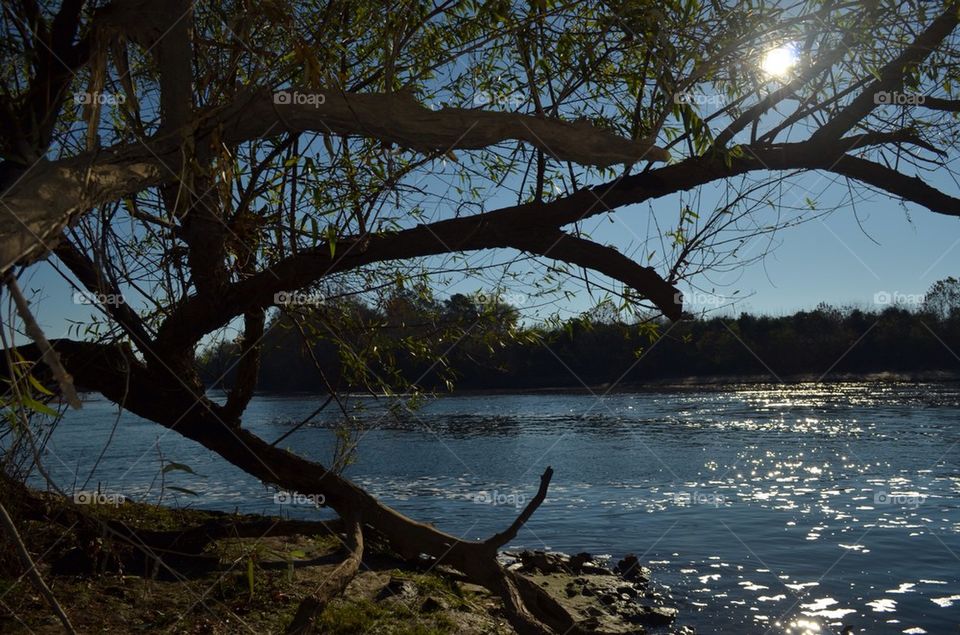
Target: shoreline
(131,582)
(691,382)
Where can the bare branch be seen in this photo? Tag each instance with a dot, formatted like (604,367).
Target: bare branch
(910,188)
(50,357)
(936,103)
(498,540)
(608,261)
(332,586)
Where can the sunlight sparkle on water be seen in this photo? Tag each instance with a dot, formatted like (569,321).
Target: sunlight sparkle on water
(802,627)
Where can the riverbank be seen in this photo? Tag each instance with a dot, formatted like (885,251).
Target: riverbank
(252,572)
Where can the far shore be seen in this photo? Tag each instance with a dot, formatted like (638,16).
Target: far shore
(725,381)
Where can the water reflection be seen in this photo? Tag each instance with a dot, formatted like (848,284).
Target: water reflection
(780,509)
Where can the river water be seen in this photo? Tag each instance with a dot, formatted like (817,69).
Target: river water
(760,509)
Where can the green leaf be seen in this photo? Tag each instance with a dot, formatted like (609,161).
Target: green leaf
(36,406)
(38,386)
(331,235)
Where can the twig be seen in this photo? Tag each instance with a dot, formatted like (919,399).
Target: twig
(498,540)
(50,356)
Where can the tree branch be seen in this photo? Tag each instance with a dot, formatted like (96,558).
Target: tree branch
(399,118)
(94,281)
(891,76)
(896,137)
(910,188)
(203,313)
(531,227)
(936,103)
(498,540)
(55,58)
(610,262)
(39,203)
(101,368)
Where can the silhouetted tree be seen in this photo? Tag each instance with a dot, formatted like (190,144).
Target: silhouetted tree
(209,159)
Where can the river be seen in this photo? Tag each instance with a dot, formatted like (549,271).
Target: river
(760,508)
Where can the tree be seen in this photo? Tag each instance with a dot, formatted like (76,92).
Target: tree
(205,158)
(943,298)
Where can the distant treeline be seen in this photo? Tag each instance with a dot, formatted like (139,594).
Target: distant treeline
(472,345)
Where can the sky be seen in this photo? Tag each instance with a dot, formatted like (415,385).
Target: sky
(892,249)
(877,252)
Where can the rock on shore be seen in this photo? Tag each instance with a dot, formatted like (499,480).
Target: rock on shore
(601,601)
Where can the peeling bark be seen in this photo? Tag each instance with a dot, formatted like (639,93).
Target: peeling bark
(399,118)
(37,203)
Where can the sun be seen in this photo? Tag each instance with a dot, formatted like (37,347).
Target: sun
(779,62)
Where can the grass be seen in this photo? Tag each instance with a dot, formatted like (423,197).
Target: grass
(222,601)
(360,617)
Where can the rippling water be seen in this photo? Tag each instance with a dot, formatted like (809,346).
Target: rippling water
(762,509)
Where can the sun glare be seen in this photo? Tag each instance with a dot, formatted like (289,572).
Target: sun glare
(779,61)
